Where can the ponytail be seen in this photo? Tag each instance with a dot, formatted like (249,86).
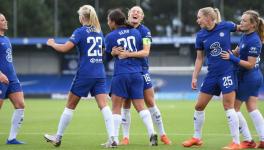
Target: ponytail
(214,13)
(260,29)
(218,15)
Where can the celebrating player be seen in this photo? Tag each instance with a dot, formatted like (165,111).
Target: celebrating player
(90,76)
(249,75)
(127,79)
(213,39)
(135,17)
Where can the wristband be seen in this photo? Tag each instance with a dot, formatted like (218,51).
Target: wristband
(234,58)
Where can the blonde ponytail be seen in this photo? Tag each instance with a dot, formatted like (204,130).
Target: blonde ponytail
(218,15)
(214,13)
(90,17)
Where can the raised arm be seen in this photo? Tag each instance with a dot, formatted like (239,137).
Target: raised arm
(60,47)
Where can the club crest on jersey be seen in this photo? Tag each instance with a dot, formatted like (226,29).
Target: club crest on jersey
(215,49)
(243,45)
(221,34)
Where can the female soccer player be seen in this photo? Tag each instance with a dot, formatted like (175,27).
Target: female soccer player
(135,17)
(9,84)
(127,79)
(249,75)
(213,39)
(90,76)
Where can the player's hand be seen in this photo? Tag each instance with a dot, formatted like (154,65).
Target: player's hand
(50,42)
(123,55)
(3,79)
(226,55)
(116,50)
(194,84)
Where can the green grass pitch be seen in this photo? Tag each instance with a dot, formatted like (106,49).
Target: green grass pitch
(87,130)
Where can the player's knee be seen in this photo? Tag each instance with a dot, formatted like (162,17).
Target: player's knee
(199,107)
(150,102)
(19,106)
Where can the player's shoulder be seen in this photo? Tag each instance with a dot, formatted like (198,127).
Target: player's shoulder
(254,38)
(143,27)
(201,33)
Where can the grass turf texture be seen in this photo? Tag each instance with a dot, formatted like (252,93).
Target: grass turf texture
(87,129)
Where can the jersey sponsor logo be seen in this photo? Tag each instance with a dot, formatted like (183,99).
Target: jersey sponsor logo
(96,60)
(221,34)
(215,49)
(253,50)
(2,43)
(9,55)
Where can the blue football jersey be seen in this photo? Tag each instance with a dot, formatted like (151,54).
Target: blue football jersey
(89,44)
(130,40)
(6,59)
(250,45)
(213,42)
(145,33)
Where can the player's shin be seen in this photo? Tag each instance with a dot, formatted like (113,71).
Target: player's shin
(17,120)
(233,123)
(109,122)
(64,121)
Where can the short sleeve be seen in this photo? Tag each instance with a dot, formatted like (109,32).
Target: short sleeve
(75,37)
(199,43)
(231,26)
(254,49)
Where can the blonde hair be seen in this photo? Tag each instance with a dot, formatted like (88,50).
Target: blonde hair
(136,7)
(257,21)
(87,12)
(214,13)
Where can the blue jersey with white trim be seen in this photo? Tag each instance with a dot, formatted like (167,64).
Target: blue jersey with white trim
(213,42)
(250,45)
(130,40)
(89,44)
(6,59)
(145,33)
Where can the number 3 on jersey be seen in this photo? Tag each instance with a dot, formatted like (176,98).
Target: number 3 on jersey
(95,41)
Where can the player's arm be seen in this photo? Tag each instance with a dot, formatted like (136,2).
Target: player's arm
(3,78)
(197,68)
(249,64)
(235,51)
(60,47)
(139,54)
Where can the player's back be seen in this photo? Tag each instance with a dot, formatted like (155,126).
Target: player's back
(89,44)
(130,40)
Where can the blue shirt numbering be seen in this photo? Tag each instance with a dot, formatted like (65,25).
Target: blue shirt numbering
(130,40)
(213,42)
(6,59)
(89,44)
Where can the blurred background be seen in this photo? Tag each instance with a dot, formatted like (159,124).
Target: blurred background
(46,73)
